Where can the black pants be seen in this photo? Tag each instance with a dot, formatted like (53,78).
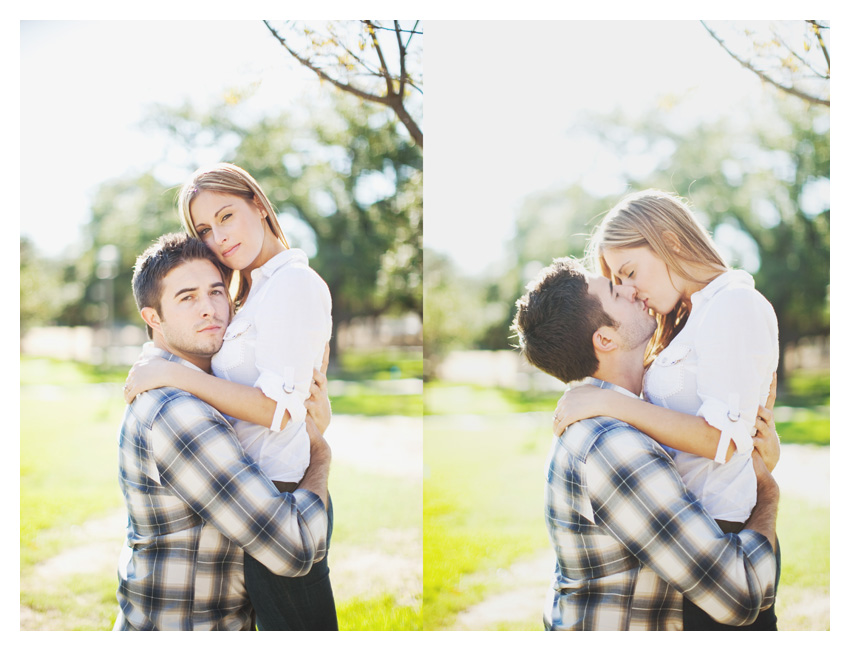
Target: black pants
(286,603)
(696,619)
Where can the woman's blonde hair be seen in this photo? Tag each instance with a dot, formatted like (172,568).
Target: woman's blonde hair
(663,222)
(227,178)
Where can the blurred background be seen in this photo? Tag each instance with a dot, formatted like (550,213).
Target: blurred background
(555,122)
(114,116)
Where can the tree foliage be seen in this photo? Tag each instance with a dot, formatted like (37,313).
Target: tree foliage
(346,184)
(760,185)
(368,59)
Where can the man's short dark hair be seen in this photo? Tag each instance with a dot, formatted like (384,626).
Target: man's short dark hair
(168,252)
(556,319)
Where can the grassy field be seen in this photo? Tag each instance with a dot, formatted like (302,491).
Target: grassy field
(483,509)
(70,415)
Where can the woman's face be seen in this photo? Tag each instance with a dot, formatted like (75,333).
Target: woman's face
(656,285)
(231,227)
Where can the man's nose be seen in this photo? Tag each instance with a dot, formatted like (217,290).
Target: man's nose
(630,292)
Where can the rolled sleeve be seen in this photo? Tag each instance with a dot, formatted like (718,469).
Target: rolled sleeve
(293,325)
(640,500)
(737,348)
(199,458)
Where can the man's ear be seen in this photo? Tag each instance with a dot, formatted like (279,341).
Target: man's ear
(671,241)
(151,317)
(604,340)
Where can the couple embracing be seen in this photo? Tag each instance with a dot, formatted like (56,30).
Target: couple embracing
(660,503)
(222,459)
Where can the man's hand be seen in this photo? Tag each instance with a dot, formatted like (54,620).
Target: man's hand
(318,404)
(766,439)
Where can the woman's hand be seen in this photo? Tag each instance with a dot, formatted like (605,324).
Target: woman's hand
(766,439)
(318,404)
(578,403)
(146,374)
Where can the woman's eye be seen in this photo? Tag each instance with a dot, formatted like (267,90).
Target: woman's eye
(228,215)
(203,232)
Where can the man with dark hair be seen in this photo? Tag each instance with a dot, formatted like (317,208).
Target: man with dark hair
(629,538)
(194,500)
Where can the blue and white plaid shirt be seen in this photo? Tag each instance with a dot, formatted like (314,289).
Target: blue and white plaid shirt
(195,501)
(630,539)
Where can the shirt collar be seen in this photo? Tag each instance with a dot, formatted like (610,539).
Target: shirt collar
(608,385)
(732,277)
(149,349)
(282,259)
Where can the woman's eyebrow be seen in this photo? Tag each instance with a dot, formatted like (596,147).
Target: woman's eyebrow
(220,209)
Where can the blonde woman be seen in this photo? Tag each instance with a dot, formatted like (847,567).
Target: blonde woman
(263,372)
(711,361)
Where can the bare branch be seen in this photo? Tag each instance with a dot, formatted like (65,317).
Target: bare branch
(323,75)
(763,76)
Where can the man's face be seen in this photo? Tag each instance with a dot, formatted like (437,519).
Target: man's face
(194,311)
(620,302)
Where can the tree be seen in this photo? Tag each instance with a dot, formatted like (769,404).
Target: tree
(793,56)
(354,56)
(760,185)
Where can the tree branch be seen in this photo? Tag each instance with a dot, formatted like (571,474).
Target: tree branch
(764,77)
(323,75)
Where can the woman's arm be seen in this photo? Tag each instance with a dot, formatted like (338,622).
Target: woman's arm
(671,428)
(237,400)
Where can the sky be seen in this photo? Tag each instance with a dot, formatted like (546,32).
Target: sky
(87,86)
(513,129)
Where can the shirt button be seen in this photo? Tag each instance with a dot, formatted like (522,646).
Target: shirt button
(733,417)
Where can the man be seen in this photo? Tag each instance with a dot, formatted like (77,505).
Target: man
(629,538)
(195,501)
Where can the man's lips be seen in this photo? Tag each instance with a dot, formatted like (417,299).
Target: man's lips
(230,251)
(211,328)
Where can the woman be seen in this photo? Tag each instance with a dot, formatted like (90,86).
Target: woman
(263,372)
(710,362)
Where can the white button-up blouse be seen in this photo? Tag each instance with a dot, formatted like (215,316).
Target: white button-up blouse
(274,342)
(720,367)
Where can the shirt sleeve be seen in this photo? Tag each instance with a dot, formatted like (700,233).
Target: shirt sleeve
(737,351)
(638,498)
(199,458)
(293,324)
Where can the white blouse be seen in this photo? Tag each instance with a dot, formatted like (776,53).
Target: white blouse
(274,342)
(720,367)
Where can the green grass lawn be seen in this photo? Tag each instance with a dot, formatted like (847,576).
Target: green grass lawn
(70,414)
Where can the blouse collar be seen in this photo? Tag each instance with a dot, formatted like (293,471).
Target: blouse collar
(733,277)
(282,259)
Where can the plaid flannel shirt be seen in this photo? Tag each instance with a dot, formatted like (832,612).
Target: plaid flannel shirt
(195,501)
(630,539)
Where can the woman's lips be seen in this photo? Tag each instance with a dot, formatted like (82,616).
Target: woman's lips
(230,251)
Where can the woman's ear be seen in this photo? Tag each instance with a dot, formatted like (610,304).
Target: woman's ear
(259,205)
(671,241)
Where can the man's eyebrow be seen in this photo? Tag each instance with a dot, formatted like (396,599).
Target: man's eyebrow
(184,290)
(611,287)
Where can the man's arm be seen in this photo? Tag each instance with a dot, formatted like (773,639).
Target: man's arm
(763,517)
(315,479)
(640,500)
(199,458)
